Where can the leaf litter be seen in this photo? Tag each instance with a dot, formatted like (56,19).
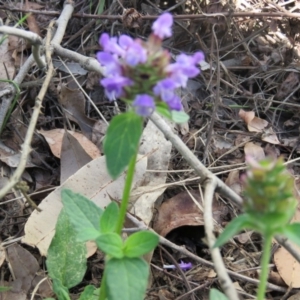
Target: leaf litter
(258,76)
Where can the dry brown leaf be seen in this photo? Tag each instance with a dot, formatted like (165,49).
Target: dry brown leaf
(31,21)
(270,136)
(255,151)
(73,102)
(11,158)
(54,138)
(24,268)
(295,297)
(93,182)
(254,124)
(158,151)
(72,157)
(288,85)
(287,267)
(234,182)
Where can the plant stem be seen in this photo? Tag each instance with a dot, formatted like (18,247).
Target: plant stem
(126,194)
(267,244)
(102,294)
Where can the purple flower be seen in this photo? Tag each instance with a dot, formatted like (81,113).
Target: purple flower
(174,103)
(162,26)
(165,89)
(135,54)
(144,105)
(110,45)
(185,68)
(182,265)
(110,62)
(114,86)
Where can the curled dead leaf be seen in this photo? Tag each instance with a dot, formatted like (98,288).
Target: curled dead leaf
(254,124)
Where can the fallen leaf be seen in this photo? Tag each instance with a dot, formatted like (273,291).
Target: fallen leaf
(287,266)
(72,157)
(181,210)
(270,136)
(93,182)
(54,139)
(254,124)
(234,182)
(158,151)
(254,150)
(11,158)
(24,268)
(73,102)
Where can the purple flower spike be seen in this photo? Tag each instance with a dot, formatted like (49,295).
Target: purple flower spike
(114,86)
(162,26)
(144,105)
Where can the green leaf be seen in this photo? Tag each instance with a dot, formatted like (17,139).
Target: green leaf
(83,213)
(126,278)
(164,111)
(111,244)
(121,142)
(4,288)
(140,243)
(214,294)
(292,232)
(66,260)
(89,293)
(179,116)
(109,218)
(236,225)
(60,290)
(100,7)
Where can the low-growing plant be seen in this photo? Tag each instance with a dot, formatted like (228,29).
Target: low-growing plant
(141,75)
(268,209)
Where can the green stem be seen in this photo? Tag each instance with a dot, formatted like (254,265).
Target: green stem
(126,194)
(102,294)
(267,244)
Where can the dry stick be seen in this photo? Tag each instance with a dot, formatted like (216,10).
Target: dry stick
(154,17)
(7,101)
(224,279)
(192,160)
(26,148)
(32,37)
(200,260)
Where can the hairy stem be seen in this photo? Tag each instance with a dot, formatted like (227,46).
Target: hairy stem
(126,194)
(267,244)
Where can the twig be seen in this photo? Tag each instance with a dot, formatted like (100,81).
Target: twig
(32,37)
(192,160)
(26,148)
(88,63)
(219,266)
(154,17)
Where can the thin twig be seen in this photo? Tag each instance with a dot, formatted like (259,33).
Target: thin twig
(26,148)
(34,39)
(219,266)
